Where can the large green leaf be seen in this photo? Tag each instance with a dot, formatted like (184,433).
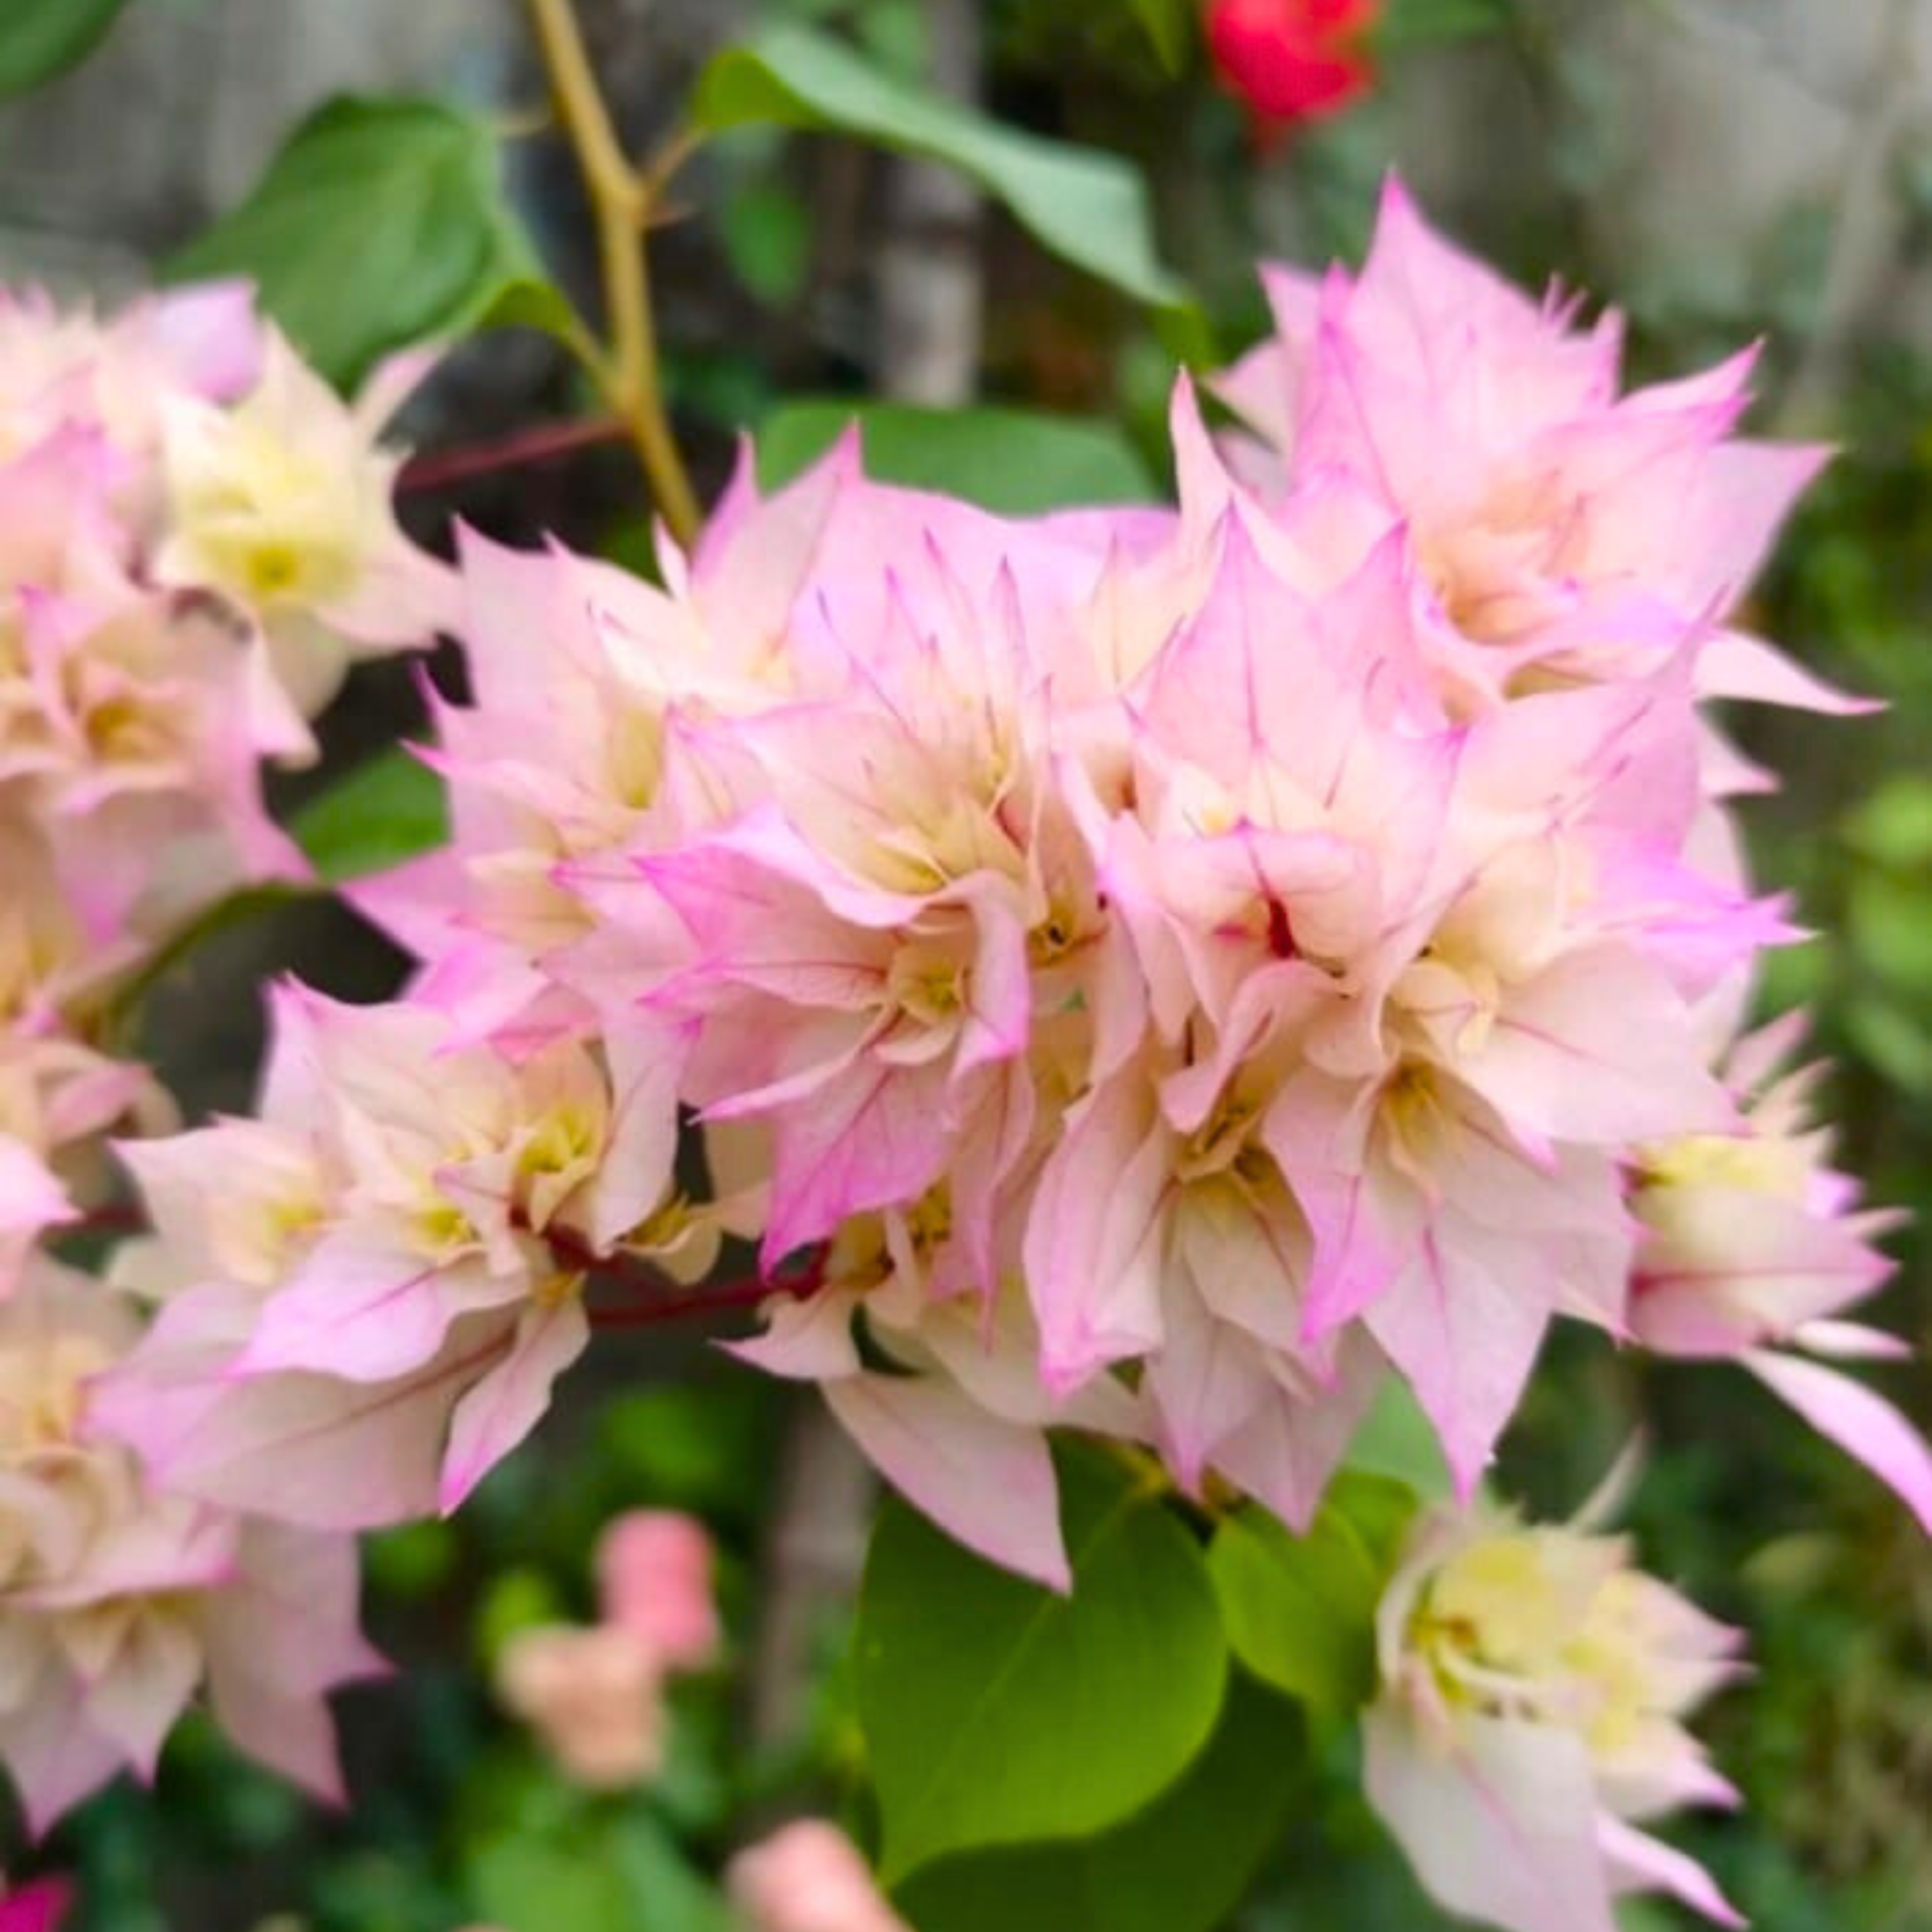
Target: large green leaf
(1089,208)
(381,223)
(997,1713)
(1180,1865)
(1017,462)
(389,809)
(1300,1609)
(40,38)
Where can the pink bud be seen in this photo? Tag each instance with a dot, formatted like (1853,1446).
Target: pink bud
(654,1574)
(593,1695)
(808,1877)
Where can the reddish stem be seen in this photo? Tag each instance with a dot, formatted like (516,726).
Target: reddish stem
(121,1217)
(660,1299)
(438,468)
(696,1301)
(578,1257)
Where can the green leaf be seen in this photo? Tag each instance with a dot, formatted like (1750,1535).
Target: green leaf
(516,295)
(525,1884)
(381,223)
(1089,208)
(1300,1609)
(628,1877)
(1017,462)
(1181,1864)
(389,809)
(516,1601)
(1894,826)
(413,1561)
(1890,920)
(766,230)
(1409,23)
(665,1893)
(1894,1041)
(997,1713)
(41,38)
(1169,26)
(698,1445)
(1397,1440)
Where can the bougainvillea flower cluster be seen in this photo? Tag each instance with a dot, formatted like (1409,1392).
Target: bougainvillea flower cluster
(195,534)
(1170,974)
(1165,974)
(118,1603)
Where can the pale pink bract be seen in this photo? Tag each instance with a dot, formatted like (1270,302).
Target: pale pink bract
(1532,1687)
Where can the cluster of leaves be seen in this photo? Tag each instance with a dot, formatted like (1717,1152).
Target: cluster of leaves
(1047,1762)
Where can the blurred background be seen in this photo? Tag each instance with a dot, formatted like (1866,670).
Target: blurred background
(1726,171)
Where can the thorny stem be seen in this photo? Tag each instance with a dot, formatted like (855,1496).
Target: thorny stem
(624,202)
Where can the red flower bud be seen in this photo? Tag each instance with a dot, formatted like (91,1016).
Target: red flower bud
(1292,60)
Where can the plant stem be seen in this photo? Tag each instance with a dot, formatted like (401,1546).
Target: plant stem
(119,1217)
(655,1297)
(695,1301)
(437,469)
(624,202)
